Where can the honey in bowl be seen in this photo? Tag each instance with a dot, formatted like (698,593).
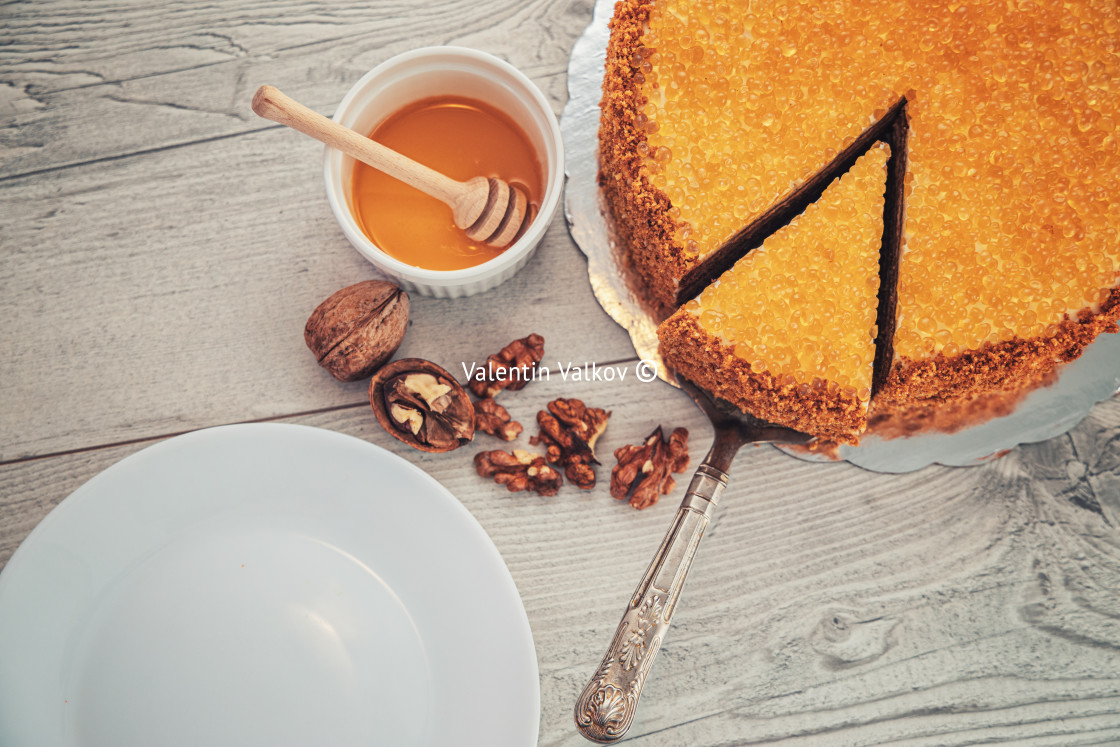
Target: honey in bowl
(461,138)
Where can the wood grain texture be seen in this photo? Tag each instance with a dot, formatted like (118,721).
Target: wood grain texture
(828,605)
(158,261)
(75,86)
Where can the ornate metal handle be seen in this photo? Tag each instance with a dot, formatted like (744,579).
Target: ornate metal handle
(606,707)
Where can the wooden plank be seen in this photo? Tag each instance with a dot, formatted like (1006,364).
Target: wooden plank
(54,49)
(828,605)
(169,291)
(59,44)
(72,93)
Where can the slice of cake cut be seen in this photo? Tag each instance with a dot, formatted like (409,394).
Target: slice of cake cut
(788,333)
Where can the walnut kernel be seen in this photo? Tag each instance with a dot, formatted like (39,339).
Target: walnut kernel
(511,369)
(642,472)
(569,430)
(492,418)
(519,470)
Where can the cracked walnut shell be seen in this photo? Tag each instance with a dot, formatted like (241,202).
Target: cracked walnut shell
(422,405)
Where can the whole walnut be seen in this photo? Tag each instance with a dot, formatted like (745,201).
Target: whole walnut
(356,330)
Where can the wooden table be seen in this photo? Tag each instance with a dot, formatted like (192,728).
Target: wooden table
(161,248)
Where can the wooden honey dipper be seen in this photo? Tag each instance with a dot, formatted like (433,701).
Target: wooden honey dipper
(488,209)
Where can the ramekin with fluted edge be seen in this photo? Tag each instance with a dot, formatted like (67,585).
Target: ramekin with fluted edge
(439,71)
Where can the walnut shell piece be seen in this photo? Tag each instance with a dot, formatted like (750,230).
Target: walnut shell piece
(642,472)
(518,470)
(422,405)
(357,329)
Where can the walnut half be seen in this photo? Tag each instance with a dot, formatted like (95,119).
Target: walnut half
(518,470)
(422,405)
(492,418)
(512,368)
(642,472)
(569,430)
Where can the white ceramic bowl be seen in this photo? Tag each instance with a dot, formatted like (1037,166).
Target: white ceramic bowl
(438,71)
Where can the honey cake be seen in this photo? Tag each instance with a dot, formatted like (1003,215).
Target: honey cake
(721,121)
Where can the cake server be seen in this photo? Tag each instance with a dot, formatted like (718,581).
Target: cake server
(605,709)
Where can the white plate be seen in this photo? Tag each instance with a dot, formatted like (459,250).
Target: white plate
(263,585)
